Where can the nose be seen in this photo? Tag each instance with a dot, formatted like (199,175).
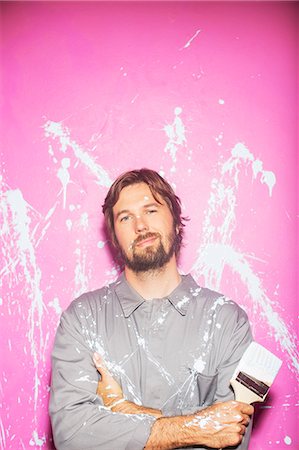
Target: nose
(140,224)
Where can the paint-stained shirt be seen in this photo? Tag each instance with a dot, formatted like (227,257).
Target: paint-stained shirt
(176,354)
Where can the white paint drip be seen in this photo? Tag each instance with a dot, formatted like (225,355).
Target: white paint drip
(116,368)
(39,234)
(81,277)
(64,177)
(165,374)
(57,131)
(175,133)
(189,382)
(2,435)
(18,252)
(267,176)
(269,179)
(191,39)
(217,252)
(84,221)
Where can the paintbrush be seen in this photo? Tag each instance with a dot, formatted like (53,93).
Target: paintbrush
(255,374)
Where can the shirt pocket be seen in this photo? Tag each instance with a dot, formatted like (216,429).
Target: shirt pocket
(204,390)
(207,385)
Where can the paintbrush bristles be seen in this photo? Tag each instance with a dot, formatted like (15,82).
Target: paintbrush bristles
(259,363)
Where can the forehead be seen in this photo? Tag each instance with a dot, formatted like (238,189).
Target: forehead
(135,195)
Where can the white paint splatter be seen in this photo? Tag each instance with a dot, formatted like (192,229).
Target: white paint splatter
(141,341)
(176,135)
(81,277)
(69,224)
(19,252)
(2,435)
(217,252)
(269,179)
(191,39)
(204,422)
(134,98)
(84,221)
(64,177)
(55,305)
(183,301)
(87,379)
(219,138)
(35,440)
(199,365)
(57,131)
(287,440)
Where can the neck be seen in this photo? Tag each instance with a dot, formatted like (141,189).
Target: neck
(156,283)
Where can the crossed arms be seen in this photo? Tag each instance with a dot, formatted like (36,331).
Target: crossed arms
(217,426)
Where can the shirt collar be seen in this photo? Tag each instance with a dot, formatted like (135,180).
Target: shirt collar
(180,298)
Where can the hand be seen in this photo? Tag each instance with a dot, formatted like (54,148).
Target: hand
(108,388)
(222,424)
(112,395)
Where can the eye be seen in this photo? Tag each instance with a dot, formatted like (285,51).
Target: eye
(124,218)
(151,211)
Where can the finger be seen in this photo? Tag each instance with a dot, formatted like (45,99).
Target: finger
(246,409)
(243,429)
(246,420)
(99,363)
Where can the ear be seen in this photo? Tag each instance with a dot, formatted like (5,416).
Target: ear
(177,229)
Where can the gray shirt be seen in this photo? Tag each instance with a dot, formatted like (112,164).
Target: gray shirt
(176,354)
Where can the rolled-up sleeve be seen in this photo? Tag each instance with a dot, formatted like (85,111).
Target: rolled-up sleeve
(79,419)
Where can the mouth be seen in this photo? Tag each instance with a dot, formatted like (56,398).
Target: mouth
(145,241)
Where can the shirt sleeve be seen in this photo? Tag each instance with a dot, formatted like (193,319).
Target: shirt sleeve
(233,339)
(79,419)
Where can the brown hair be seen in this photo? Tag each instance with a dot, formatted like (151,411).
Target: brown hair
(157,185)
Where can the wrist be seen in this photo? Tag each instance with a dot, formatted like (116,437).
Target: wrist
(173,432)
(116,403)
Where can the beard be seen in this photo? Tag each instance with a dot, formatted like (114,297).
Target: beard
(151,258)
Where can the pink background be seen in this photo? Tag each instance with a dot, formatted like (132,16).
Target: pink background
(203,92)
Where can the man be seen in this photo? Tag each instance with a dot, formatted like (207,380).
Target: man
(164,347)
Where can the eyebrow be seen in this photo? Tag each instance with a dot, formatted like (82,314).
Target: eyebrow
(147,205)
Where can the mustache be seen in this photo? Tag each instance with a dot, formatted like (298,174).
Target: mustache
(144,236)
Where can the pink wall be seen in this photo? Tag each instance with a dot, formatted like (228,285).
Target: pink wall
(204,93)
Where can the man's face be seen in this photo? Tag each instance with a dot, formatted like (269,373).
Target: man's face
(144,229)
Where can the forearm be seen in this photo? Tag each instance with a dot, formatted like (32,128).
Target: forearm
(170,432)
(127,407)
(217,426)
